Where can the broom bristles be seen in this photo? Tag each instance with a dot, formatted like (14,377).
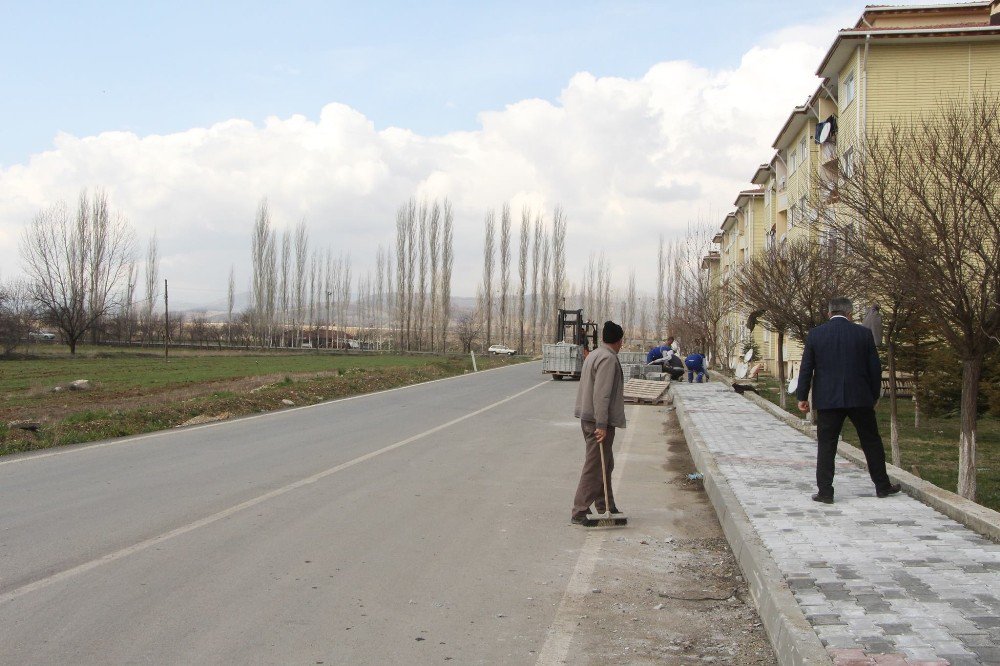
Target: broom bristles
(610,522)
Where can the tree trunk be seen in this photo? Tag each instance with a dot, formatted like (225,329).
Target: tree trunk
(971,370)
(893,404)
(782,384)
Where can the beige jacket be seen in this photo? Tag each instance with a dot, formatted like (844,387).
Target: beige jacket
(601,397)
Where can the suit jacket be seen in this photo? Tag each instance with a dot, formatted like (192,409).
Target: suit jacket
(601,396)
(841,365)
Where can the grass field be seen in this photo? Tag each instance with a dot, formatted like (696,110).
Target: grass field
(134,391)
(932,448)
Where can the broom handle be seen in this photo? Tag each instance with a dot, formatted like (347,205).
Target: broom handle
(604,477)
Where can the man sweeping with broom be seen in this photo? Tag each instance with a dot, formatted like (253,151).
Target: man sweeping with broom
(600,406)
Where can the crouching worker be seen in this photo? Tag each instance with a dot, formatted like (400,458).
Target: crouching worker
(600,406)
(665,357)
(695,364)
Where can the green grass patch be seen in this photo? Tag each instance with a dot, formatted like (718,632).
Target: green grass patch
(135,393)
(932,448)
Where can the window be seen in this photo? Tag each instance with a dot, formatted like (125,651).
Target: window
(847,91)
(767,197)
(791,161)
(847,163)
(803,155)
(793,215)
(803,209)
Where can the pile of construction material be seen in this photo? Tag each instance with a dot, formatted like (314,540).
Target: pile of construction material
(562,358)
(632,357)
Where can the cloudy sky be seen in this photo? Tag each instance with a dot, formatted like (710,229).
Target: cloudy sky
(638,117)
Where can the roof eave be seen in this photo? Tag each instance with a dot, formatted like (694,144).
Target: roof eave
(836,54)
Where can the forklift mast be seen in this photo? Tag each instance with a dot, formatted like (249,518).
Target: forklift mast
(571,328)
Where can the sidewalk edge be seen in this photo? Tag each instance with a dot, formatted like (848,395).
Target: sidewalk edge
(978,518)
(794,640)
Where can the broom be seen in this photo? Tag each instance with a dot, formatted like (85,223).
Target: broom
(606,519)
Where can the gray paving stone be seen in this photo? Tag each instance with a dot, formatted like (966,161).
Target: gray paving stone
(888,576)
(987,653)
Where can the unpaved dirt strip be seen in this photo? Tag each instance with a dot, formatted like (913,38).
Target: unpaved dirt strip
(666,589)
(560,637)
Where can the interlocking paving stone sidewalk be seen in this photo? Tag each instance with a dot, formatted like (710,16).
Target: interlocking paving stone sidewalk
(882,581)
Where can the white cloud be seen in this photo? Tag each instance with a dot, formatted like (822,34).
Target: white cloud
(628,159)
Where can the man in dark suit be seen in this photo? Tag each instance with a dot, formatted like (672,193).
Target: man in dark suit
(841,365)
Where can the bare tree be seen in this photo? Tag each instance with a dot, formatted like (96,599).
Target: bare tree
(643,319)
(536,258)
(661,273)
(61,255)
(380,292)
(152,281)
(504,294)
(401,254)
(558,257)
(260,241)
(488,259)
(422,288)
(230,302)
(284,287)
(447,262)
(17,312)
(468,330)
(522,273)
(922,198)
(790,286)
(344,297)
(434,244)
(411,263)
(127,310)
(628,317)
(300,284)
(546,314)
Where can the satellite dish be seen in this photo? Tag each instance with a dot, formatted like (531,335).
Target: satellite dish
(741,370)
(748,355)
(824,132)
(793,384)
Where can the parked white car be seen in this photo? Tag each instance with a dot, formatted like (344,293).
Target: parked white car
(41,335)
(501,349)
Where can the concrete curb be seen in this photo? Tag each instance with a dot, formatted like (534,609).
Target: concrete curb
(976,517)
(794,640)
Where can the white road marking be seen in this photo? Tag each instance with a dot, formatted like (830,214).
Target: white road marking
(560,634)
(163,433)
(215,517)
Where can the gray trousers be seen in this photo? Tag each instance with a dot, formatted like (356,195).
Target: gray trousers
(591,487)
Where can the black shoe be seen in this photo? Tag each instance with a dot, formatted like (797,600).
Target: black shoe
(825,499)
(580,520)
(613,511)
(891,489)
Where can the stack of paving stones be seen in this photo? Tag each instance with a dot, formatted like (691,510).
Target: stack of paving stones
(882,581)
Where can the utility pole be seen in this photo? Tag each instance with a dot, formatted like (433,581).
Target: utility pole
(166,322)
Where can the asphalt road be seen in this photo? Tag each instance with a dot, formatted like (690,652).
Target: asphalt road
(412,526)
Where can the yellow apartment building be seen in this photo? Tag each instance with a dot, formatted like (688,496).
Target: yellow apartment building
(893,64)
(742,235)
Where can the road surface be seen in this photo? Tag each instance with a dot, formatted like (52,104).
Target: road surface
(406,526)
(419,525)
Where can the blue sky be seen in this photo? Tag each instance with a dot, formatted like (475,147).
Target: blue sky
(160,67)
(638,118)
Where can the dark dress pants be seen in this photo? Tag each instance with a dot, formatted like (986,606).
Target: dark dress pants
(591,487)
(829,423)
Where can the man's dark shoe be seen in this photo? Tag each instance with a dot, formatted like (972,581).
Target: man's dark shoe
(580,520)
(614,510)
(825,499)
(891,489)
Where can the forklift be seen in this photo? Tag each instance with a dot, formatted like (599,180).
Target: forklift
(574,339)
